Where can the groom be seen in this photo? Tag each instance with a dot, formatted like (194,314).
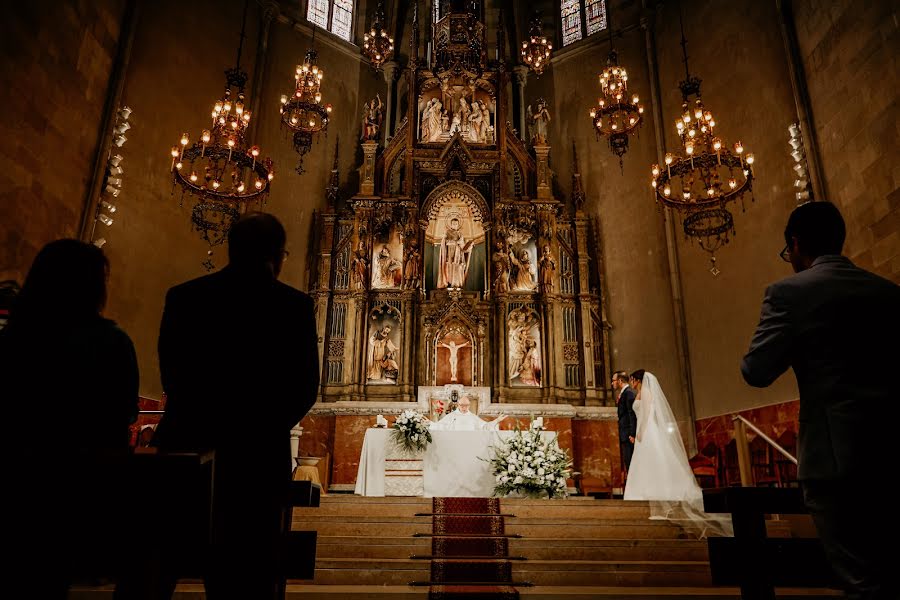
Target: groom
(627,416)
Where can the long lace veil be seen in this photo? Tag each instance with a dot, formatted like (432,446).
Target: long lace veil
(687,511)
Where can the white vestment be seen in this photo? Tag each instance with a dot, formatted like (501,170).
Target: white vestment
(459,421)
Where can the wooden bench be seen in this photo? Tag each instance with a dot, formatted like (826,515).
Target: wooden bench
(753,561)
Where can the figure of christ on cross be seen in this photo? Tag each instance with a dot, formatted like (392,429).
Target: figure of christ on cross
(453,347)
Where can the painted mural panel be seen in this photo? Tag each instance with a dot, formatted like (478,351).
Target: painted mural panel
(524,358)
(383,352)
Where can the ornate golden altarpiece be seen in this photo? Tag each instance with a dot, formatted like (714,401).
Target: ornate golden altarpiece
(455,264)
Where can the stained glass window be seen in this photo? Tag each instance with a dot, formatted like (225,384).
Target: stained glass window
(571,21)
(595,14)
(342,15)
(317,13)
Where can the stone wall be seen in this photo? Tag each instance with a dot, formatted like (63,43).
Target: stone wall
(849,50)
(55,72)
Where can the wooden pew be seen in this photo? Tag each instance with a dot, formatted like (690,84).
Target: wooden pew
(753,561)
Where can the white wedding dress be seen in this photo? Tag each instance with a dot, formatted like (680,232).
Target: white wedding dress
(660,471)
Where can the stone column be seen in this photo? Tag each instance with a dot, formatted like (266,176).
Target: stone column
(408,330)
(367,170)
(521,74)
(584,307)
(544,184)
(390,77)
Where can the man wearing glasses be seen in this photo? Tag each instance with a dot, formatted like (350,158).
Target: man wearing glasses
(838,327)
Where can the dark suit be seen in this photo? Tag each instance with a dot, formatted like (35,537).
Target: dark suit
(627,425)
(838,327)
(238,357)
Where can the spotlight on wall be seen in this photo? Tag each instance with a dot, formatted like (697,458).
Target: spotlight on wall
(116,171)
(110,208)
(804,189)
(100,242)
(122,127)
(113,191)
(115,160)
(105,219)
(115,181)
(124,113)
(119,140)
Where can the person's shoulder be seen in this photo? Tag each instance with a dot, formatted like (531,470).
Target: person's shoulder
(194,286)
(292,294)
(113,333)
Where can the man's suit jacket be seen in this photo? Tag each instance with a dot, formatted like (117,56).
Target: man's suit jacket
(838,326)
(627,416)
(238,356)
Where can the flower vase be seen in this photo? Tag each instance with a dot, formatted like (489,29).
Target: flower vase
(403,471)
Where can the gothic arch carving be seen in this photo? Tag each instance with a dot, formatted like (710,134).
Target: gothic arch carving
(456,190)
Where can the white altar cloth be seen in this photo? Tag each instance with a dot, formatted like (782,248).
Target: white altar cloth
(452,464)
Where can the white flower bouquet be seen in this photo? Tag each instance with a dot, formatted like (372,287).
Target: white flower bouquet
(411,431)
(528,464)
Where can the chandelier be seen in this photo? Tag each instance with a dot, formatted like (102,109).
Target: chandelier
(220,171)
(616,116)
(703,180)
(536,49)
(303,112)
(378,47)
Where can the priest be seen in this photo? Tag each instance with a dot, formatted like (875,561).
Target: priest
(463,420)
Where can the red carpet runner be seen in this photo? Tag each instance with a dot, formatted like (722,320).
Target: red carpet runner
(469,551)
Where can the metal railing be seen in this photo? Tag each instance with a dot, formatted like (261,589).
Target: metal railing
(743,447)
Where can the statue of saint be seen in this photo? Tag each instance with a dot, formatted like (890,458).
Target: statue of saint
(453,347)
(454,257)
(539,123)
(411,266)
(434,120)
(360,265)
(387,270)
(501,268)
(548,266)
(373,113)
(381,363)
(523,278)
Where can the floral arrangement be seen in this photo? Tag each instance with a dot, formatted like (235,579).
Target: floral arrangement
(411,431)
(528,464)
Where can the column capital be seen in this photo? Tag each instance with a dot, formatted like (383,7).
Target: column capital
(390,69)
(521,74)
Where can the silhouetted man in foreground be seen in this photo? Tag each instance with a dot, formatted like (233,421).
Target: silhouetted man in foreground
(239,362)
(838,327)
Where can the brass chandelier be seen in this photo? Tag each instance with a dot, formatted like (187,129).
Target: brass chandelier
(303,112)
(536,50)
(617,115)
(220,171)
(378,46)
(707,177)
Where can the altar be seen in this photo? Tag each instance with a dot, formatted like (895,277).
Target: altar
(455,463)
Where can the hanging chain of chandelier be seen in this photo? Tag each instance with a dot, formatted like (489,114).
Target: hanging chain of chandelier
(536,50)
(378,46)
(220,171)
(616,116)
(303,112)
(703,180)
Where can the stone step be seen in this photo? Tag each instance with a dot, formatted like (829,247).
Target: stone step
(572,510)
(192,591)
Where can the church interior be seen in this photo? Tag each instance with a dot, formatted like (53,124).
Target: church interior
(473,221)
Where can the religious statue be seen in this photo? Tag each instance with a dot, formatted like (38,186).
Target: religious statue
(381,362)
(453,348)
(424,131)
(411,266)
(434,121)
(523,279)
(463,420)
(539,123)
(360,265)
(548,266)
(386,272)
(454,257)
(524,359)
(501,268)
(463,111)
(373,113)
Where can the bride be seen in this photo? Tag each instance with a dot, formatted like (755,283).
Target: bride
(659,469)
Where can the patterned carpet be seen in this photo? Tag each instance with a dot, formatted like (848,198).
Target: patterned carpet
(469,551)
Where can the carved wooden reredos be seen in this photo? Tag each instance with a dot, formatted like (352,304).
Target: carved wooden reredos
(455,264)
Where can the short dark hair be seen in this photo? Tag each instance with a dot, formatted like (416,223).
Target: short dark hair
(818,227)
(621,376)
(256,238)
(638,375)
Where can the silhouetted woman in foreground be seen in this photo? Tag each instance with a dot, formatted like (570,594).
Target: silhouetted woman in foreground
(70,391)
